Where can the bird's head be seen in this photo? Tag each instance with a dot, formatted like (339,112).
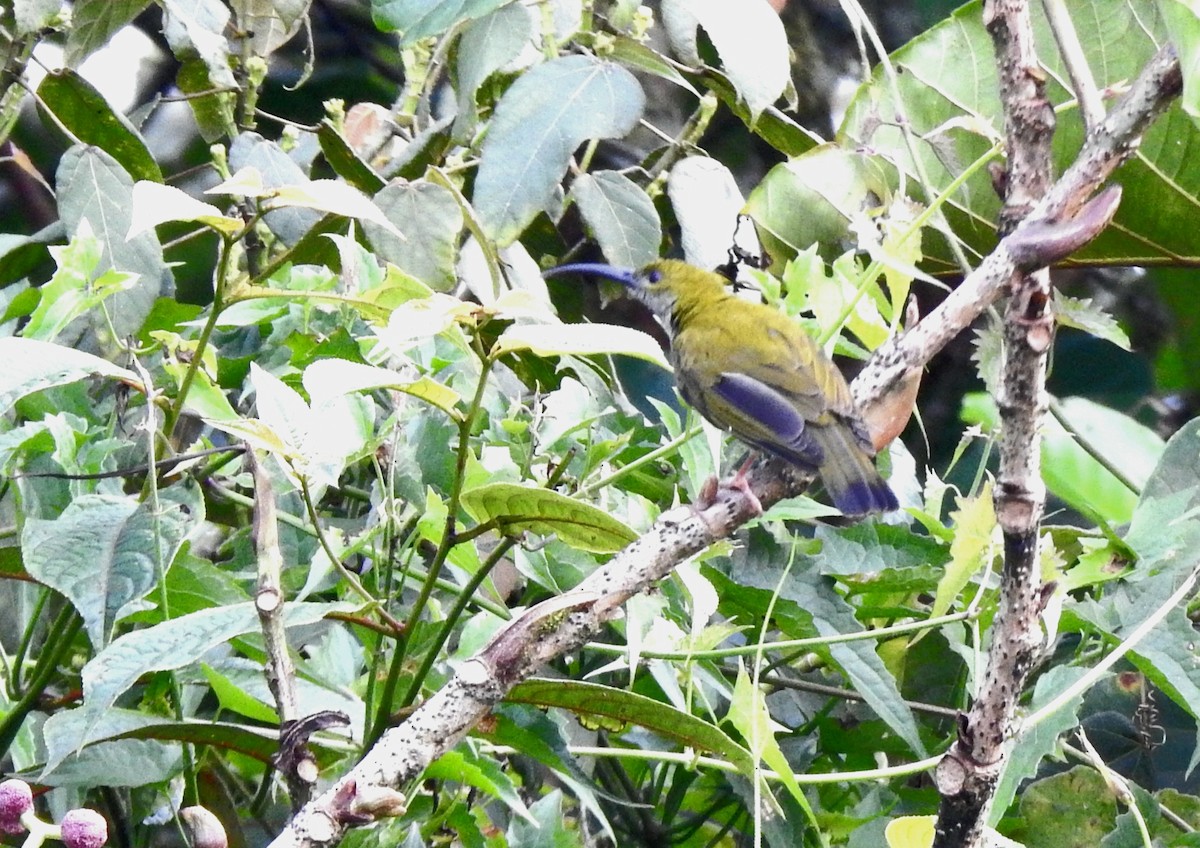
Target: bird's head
(662,285)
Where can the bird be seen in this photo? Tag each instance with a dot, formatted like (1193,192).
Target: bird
(751,370)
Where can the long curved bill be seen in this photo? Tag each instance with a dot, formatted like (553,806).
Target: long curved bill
(624,276)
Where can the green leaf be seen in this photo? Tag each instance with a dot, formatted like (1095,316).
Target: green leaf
(1072,808)
(415,19)
(707,202)
(155,203)
(345,162)
(592,699)
(642,57)
(31,16)
(749,38)
(1084,314)
(579,340)
(326,379)
(972,548)
(65,734)
(1176,473)
(251,154)
(812,198)
(20,255)
(94,23)
(749,714)
(171,645)
(1183,27)
(816,610)
(620,215)
(549,828)
(103,758)
(463,766)
(431,220)
(1070,470)
(94,186)
(269,24)
(1033,744)
(212,106)
(237,700)
(539,122)
(31,366)
(105,553)
(75,289)
(956,116)
(196,29)
(1076,476)
(316,441)
(488,45)
(870,548)
(91,120)
(518,508)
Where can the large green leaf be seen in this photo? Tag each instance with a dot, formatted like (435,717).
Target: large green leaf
(94,22)
(30,366)
(488,45)
(749,38)
(83,110)
(415,19)
(430,219)
(105,553)
(167,646)
(948,96)
(516,508)
(93,186)
(620,215)
(594,700)
(108,761)
(812,199)
(539,122)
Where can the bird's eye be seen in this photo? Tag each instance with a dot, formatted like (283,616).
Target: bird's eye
(654,276)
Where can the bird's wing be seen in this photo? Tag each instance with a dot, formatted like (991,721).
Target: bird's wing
(770,420)
(782,358)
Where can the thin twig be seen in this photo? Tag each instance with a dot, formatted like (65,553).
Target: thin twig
(1091,107)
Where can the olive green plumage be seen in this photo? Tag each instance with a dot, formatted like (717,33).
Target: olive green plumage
(752,370)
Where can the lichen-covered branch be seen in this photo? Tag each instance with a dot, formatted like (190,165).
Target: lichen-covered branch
(969,771)
(543,632)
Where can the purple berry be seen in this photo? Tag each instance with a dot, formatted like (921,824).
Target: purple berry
(16,799)
(84,828)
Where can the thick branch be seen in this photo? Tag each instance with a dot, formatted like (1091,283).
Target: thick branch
(968,773)
(542,633)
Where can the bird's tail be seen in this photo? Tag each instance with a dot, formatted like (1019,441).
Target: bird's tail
(849,474)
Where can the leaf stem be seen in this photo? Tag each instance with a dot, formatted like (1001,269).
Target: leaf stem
(171,418)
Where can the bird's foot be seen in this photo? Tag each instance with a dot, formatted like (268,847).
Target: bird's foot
(740,482)
(707,495)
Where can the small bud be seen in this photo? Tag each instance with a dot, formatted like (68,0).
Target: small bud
(16,799)
(204,828)
(84,828)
